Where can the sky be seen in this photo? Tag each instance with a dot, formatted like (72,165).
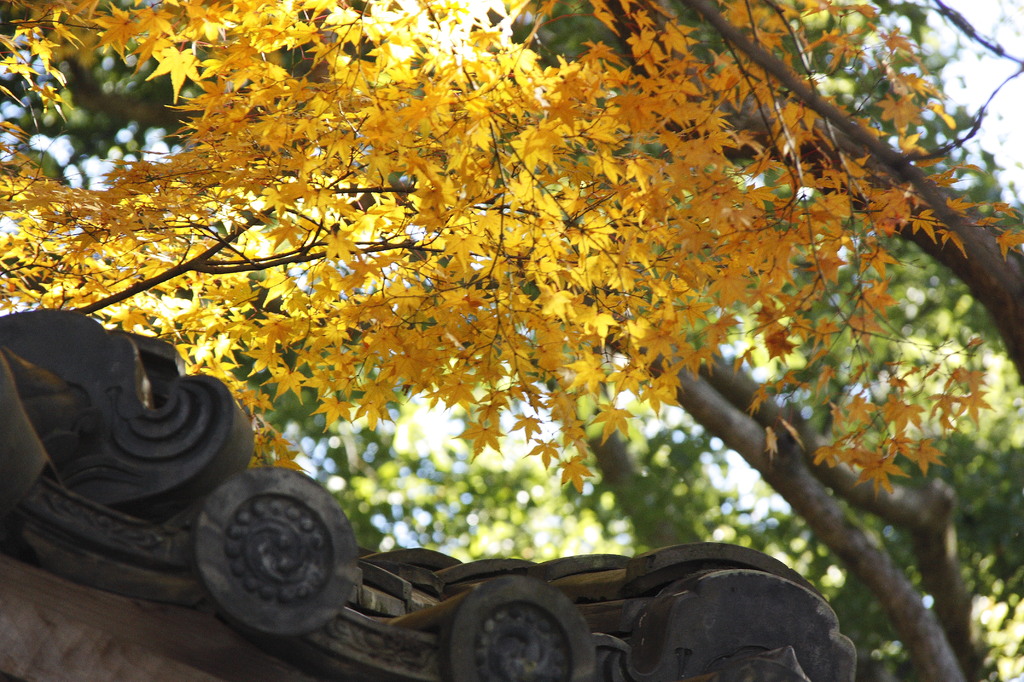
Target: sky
(973,79)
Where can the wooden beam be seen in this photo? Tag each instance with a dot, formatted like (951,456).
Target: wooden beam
(54,630)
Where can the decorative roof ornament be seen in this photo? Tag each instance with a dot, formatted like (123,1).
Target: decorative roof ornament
(120,422)
(120,473)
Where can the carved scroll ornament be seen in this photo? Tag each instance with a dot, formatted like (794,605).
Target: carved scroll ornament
(119,421)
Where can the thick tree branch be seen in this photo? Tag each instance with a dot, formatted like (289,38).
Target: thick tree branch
(996,282)
(925,512)
(786,472)
(619,471)
(617,465)
(916,509)
(935,550)
(121,109)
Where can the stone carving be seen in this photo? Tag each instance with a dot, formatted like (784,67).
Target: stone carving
(79,539)
(275,552)
(520,641)
(111,532)
(712,620)
(778,665)
(659,567)
(516,629)
(22,455)
(278,548)
(119,422)
(612,657)
(355,647)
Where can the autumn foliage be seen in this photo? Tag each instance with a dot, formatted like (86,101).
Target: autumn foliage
(371,201)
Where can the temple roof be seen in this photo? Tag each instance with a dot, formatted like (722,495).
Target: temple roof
(138,545)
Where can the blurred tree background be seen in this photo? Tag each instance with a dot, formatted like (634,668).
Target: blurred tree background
(413,483)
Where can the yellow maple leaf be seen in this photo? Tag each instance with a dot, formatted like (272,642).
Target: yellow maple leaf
(576,471)
(614,419)
(180,64)
(1009,239)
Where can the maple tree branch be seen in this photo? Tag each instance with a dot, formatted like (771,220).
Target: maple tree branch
(994,281)
(897,163)
(156,280)
(787,473)
(249,265)
(968,30)
(303,255)
(925,512)
(916,509)
(377,189)
(997,282)
(620,471)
